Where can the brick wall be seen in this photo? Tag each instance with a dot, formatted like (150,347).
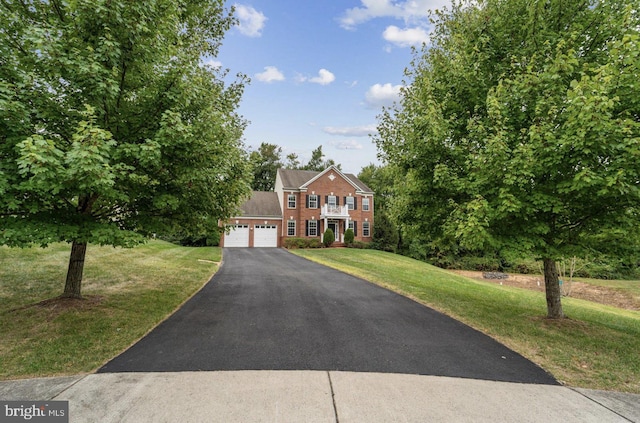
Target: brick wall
(323,187)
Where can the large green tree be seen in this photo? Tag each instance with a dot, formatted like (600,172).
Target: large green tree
(111,129)
(519,128)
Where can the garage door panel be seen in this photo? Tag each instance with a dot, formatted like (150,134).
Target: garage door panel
(265,236)
(237,237)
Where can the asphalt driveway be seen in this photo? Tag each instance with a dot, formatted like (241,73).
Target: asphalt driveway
(267,309)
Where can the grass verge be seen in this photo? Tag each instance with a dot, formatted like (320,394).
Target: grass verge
(127,292)
(596,348)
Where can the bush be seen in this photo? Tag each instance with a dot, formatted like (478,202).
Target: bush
(361,245)
(328,238)
(292,243)
(349,236)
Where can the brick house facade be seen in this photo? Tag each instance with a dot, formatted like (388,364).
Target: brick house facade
(304,204)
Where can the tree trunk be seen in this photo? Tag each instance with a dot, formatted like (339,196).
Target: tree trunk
(552,288)
(74,273)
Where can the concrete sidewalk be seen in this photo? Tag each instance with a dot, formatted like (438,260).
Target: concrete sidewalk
(318,396)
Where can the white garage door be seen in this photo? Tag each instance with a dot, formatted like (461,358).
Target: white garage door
(265,236)
(238,237)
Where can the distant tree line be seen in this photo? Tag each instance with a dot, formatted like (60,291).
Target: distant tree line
(267,159)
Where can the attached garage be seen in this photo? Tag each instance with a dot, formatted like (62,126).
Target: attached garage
(265,236)
(237,237)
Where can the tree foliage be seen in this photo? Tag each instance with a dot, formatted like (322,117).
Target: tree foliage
(265,161)
(110,127)
(519,128)
(316,162)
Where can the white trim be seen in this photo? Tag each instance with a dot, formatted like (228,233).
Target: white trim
(295,201)
(315,223)
(366,225)
(295,229)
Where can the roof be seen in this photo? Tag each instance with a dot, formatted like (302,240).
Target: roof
(295,179)
(262,204)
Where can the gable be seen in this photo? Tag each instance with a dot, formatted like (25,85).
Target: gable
(289,179)
(334,174)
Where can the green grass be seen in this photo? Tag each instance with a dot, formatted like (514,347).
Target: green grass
(598,347)
(127,292)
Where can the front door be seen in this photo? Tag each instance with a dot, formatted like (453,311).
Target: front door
(334,227)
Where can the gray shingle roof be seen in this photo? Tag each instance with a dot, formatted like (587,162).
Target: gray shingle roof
(262,204)
(296,178)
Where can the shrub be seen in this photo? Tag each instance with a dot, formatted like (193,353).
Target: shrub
(360,245)
(328,238)
(292,243)
(349,236)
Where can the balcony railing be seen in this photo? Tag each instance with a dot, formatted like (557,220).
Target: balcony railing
(334,211)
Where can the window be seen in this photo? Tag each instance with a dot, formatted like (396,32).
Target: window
(353,225)
(365,205)
(365,229)
(312,228)
(291,228)
(350,202)
(291,201)
(332,200)
(312,201)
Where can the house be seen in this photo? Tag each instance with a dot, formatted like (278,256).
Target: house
(304,204)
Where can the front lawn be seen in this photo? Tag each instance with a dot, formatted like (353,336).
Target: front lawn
(597,347)
(127,292)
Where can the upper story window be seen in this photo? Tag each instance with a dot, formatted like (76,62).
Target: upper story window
(365,204)
(312,201)
(291,201)
(332,200)
(350,202)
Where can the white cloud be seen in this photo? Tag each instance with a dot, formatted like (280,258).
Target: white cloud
(212,63)
(324,77)
(270,74)
(347,145)
(380,95)
(351,131)
(409,11)
(251,22)
(405,37)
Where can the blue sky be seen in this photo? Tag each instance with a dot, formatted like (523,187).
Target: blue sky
(322,70)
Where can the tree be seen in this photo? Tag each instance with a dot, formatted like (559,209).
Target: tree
(519,129)
(110,127)
(316,161)
(381,181)
(386,233)
(265,162)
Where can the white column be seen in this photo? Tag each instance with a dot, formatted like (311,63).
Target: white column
(324,229)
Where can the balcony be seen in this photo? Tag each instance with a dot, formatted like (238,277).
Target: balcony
(334,211)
